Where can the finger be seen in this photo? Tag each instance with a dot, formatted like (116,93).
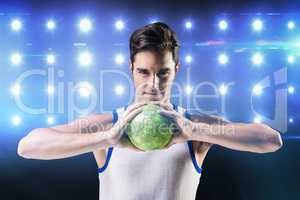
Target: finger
(172,117)
(167,106)
(157,102)
(135,106)
(170,114)
(132,114)
(121,124)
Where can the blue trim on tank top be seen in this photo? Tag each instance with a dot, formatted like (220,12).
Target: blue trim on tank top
(190,144)
(110,149)
(191,149)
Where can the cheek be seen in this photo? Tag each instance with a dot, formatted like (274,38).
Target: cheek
(140,83)
(167,82)
(140,80)
(170,78)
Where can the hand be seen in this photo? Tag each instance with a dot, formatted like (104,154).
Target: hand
(184,126)
(117,133)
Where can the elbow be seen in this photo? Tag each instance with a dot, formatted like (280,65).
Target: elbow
(271,139)
(26,146)
(22,148)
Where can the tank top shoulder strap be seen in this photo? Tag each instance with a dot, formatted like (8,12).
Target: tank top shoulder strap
(190,146)
(175,107)
(189,143)
(110,149)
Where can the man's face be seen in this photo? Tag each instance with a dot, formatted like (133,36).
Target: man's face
(153,75)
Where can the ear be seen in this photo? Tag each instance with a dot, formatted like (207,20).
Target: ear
(177,68)
(130,66)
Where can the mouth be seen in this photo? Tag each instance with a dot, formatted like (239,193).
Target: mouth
(149,93)
(155,93)
(152,95)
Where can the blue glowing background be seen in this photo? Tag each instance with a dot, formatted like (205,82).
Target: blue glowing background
(204,42)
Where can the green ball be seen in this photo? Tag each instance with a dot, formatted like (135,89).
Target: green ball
(149,130)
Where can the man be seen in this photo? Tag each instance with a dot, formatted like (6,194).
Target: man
(126,172)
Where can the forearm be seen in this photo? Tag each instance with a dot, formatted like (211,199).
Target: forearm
(46,143)
(238,136)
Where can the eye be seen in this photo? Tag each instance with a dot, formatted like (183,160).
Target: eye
(163,73)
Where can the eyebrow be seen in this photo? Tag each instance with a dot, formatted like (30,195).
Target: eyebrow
(141,68)
(162,69)
(165,69)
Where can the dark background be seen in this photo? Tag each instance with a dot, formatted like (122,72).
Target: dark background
(227,174)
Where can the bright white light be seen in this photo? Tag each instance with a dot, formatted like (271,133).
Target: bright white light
(51,25)
(50,59)
(291,59)
(15,90)
(188,59)
(223,25)
(85,25)
(257,25)
(16,25)
(188,25)
(119,25)
(188,89)
(257,59)
(16,120)
(50,120)
(152,21)
(50,89)
(119,59)
(85,89)
(291,25)
(16,59)
(119,90)
(257,90)
(223,59)
(85,59)
(291,90)
(291,120)
(257,119)
(223,89)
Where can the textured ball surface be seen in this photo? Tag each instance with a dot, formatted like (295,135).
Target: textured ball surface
(149,130)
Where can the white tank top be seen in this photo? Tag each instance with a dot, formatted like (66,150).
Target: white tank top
(168,174)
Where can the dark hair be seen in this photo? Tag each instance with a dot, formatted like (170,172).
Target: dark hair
(156,36)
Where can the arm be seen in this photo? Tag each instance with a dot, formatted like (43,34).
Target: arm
(201,146)
(252,137)
(66,140)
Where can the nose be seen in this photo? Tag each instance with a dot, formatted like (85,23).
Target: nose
(155,81)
